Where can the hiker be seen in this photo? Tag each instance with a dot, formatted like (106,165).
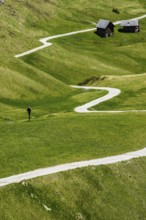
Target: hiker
(29,112)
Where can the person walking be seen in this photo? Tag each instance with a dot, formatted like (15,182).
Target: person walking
(29,112)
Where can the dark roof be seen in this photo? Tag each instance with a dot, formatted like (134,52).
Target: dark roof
(102,24)
(126,23)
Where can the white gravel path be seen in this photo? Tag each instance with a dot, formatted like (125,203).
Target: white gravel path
(48,44)
(46,39)
(71,166)
(112,92)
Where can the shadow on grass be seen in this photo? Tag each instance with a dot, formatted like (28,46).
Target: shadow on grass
(121,30)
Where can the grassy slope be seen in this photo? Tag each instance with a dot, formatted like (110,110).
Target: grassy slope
(30,85)
(66,138)
(40,80)
(113,56)
(55,136)
(132,96)
(112,192)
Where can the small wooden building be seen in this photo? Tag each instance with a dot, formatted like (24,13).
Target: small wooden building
(105,28)
(130,26)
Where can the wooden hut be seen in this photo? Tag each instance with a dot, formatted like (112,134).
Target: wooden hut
(105,28)
(130,26)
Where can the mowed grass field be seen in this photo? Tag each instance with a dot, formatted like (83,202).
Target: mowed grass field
(56,134)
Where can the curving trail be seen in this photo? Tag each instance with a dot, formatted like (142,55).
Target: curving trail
(48,44)
(45,40)
(112,92)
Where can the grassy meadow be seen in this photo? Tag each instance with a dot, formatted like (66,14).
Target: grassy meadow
(56,134)
(66,138)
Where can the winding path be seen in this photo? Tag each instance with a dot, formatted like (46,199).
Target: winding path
(112,92)
(45,40)
(70,166)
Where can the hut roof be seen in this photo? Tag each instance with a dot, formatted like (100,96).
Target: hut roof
(102,24)
(129,23)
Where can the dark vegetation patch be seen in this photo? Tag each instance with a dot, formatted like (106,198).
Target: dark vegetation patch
(92,80)
(115,10)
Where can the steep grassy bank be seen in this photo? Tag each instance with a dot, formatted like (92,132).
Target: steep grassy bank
(112,192)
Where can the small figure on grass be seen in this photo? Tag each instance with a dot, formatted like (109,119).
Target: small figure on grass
(29,112)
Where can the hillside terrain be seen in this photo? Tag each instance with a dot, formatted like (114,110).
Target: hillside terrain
(56,134)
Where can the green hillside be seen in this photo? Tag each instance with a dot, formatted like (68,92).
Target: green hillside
(56,134)
(112,192)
